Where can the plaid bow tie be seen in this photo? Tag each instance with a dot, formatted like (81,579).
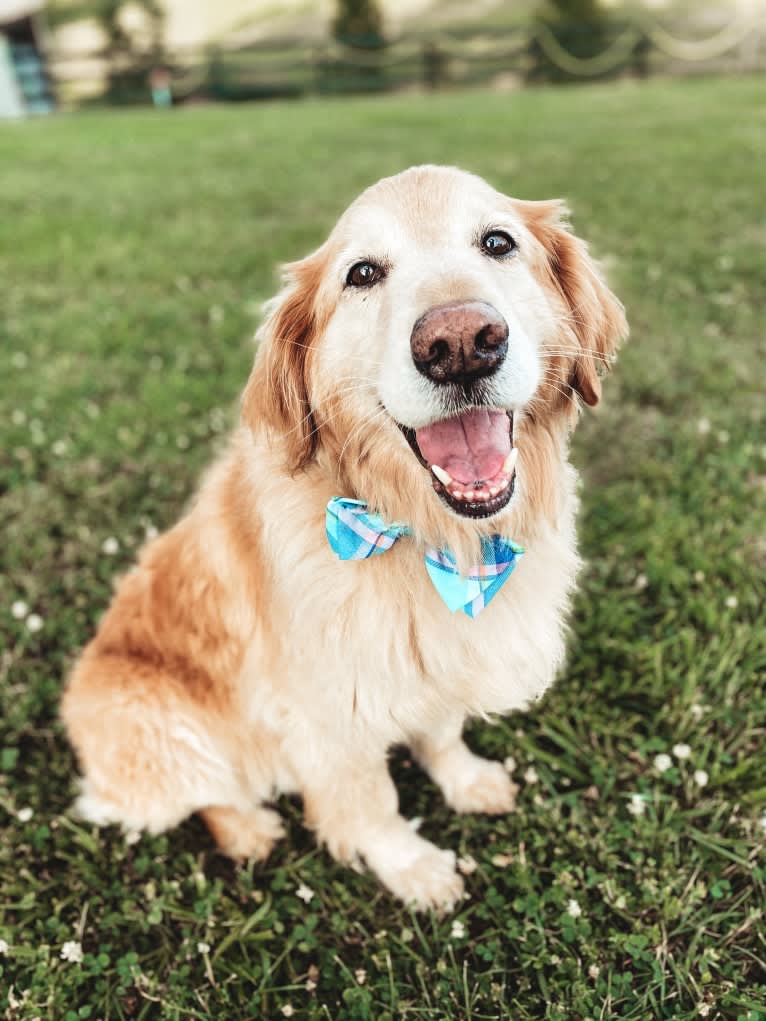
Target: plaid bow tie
(355,534)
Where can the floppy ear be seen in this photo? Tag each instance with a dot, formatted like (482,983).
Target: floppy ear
(597,317)
(277,392)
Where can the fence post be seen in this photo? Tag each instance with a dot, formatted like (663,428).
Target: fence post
(433,66)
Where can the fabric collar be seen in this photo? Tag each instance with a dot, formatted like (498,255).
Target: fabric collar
(354,533)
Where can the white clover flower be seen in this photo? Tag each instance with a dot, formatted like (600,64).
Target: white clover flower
(502,861)
(697,710)
(723,436)
(700,777)
(13,1002)
(24,814)
(640,583)
(703,426)
(110,546)
(530,775)
(662,762)
(704,1009)
(699,577)
(310,985)
(762,822)
(151,531)
(682,751)
(467,865)
(3,948)
(18,417)
(509,764)
(287,1010)
(132,837)
(573,909)
(732,602)
(458,930)
(34,622)
(305,893)
(594,971)
(637,805)
(361,976)
(19,609)
(60,447)
(72,951)
(203,948)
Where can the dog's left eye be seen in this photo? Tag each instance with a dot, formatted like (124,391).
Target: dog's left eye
(497,243)
(364,274)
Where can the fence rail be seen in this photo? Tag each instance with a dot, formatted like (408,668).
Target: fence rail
(639,46)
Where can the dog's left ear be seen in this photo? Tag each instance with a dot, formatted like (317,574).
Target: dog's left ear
(277,392)
(596,316)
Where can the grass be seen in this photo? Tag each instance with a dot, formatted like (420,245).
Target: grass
(134,249)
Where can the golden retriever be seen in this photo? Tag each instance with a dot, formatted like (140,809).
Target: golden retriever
(428,359)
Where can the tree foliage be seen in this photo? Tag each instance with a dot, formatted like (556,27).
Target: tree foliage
(583,28)
(358,23)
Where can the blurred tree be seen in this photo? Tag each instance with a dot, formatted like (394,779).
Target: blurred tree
(582,28)
(129,61)
(359,23)
(578,10)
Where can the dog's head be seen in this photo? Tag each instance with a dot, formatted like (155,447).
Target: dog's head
(430,355)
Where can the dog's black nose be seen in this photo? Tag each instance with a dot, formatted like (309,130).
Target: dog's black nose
(459,342)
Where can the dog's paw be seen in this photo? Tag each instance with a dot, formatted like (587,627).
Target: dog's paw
(486,787)
(241,835)
(429,883)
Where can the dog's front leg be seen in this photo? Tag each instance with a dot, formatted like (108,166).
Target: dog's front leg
(468,782)
(353,807)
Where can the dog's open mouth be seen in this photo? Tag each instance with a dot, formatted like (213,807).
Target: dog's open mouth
(471,458)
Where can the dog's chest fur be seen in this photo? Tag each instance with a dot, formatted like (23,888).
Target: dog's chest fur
(371,642)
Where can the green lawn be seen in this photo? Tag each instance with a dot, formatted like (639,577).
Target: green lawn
(135,248)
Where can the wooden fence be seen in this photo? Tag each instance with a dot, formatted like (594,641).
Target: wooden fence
(533,52)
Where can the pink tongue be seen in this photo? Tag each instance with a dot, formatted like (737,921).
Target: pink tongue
(471,447)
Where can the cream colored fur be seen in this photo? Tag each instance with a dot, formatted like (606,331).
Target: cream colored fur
(240,659)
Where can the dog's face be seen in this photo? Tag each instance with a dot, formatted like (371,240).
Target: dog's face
(439,323)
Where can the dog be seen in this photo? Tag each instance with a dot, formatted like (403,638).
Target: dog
(413,393)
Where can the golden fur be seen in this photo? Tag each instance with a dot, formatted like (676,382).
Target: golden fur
(239,658)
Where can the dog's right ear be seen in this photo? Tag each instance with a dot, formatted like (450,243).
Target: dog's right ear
(277,393)
(597,321)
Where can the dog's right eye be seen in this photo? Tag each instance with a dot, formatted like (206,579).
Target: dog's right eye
(364,274)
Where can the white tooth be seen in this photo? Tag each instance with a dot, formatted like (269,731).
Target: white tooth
(484,495)
(494,491)
(471,496)
(510,461)
(457,493)
(443,476)
(504,485)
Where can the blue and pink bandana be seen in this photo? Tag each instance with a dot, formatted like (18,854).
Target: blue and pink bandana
(355,534)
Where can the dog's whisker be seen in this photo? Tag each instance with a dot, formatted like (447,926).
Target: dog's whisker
(360,428)
(577,353)
(313,412)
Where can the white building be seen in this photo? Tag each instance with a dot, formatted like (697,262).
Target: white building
(25,85)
